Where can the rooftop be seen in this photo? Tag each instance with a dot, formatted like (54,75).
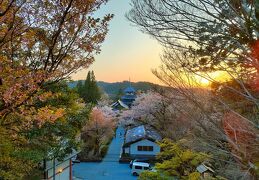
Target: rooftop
(120,103)
(141,164)
(203,168)
(129,89)
(140,133)
(129,97)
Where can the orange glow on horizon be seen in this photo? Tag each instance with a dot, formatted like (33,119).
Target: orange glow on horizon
(205,80)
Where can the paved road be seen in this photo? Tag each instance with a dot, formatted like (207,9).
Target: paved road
(109,168)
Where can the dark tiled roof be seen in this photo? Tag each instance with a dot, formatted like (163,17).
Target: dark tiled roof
(119,103)
(129,90)
(128,99)
(131,97)
(139,133)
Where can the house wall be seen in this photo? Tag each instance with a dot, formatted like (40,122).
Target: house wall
(127,150)
(64,175)
(61,169)
(134,148)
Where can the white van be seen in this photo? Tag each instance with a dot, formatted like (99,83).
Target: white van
(138,167)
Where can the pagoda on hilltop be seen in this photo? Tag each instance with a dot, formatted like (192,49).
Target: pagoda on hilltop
(126,101)
(129,96)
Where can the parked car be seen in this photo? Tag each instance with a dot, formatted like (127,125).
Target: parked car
(139,160)
(138,167)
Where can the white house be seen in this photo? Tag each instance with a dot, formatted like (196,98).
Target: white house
(62,169)
(141,142)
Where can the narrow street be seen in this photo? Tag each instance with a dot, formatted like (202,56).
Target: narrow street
(109,168)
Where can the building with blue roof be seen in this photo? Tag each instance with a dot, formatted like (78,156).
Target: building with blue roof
(126,100)
(129,90)
(129,97)
(141,142)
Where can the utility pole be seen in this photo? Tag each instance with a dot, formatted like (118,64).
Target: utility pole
(54,169)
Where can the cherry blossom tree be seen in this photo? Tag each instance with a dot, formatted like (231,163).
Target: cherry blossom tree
(96,133)
(41,44)
(163,113)
(44,42)
(144,105)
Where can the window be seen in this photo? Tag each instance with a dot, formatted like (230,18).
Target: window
(138,167)
(150,148)
(140,148)
(146,168)
(145,148)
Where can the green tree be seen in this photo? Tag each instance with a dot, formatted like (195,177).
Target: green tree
(90,91)
(29,145)
(41,42)
(79,87)
(150,175)
(119,94)
(177,161)
(96,94)
(88,80)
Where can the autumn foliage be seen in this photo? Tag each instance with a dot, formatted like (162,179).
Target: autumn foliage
(242,138)
(240,132)
(255,64)
(44,41)
(41,43)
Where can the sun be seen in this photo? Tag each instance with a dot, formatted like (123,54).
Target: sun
(204,82)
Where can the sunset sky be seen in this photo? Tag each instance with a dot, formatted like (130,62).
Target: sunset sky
(126,52)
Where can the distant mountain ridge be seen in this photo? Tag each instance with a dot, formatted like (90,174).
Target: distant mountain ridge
(112,89)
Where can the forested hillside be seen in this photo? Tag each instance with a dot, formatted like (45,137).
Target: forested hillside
(112,89)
